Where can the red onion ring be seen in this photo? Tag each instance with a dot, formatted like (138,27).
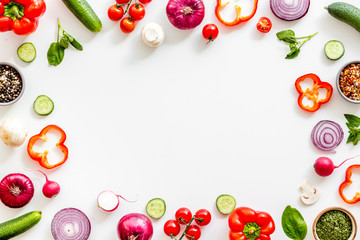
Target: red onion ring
(327,135)
(70,224)
(289,10)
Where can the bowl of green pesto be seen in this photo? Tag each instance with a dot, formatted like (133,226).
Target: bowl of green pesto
(334,223)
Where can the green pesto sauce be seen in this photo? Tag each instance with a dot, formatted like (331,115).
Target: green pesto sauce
(334,225)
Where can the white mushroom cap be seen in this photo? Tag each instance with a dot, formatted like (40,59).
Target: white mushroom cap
(152,34)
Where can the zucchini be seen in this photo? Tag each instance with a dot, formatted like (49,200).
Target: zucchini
(346,13)
(19,225)
(86,15)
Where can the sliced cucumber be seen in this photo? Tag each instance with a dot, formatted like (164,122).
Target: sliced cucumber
(156,208)
(27,52)
(334,50)
(43,105)
(225,203)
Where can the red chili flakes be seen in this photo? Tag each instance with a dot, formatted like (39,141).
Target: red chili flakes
(349,81)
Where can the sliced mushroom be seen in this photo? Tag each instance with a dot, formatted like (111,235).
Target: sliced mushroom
(309,194)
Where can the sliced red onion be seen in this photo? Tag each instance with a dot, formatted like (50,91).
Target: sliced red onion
(16,190)
(289,10)
(327,135)
(70,224)
(185,14)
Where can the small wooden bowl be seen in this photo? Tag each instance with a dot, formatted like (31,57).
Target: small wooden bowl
(353,221)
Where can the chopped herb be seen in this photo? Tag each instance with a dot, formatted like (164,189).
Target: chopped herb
(334,225)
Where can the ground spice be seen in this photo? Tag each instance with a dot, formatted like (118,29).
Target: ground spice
(10,84)
(334,225)
(349,81)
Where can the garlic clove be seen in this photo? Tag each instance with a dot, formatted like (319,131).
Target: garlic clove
(152,34)
(309,195)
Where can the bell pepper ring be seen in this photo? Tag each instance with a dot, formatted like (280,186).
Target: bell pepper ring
(41,157)
(313,93)
(348,182)
(238,17)
(248,224)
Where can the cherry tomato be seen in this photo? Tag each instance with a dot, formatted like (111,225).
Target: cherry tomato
(115,12)
(264,25)
(184,215)
(144,1)
(172,228)
(122,1)
(193,232)
(127,25)
(202,217)
(137,11)
(210,32)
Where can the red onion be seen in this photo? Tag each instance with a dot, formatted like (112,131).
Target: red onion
(70,224)
(327,135)
(185,14)
(16,190)
(289,10)
(135,226)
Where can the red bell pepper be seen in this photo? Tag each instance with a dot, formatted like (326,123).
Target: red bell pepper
(41,157)
(21,16)
(313,93)
(239,18)
(348,182)
(248,224)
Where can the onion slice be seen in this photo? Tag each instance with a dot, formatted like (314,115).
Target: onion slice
(70,224)
(289,10)
(327,135)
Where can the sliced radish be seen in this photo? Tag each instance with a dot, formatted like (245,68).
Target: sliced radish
(108,200)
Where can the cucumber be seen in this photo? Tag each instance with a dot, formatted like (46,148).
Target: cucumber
(225,203)
(345,12)
(19,225)
(156,208)
(334,50)
(83,11)
(43,105)
(26,52)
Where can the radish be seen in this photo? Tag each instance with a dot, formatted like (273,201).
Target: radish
(50,189)
(109,201)
(324,166)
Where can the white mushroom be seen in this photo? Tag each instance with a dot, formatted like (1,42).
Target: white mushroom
(13,132)
(309,194)
(152,34)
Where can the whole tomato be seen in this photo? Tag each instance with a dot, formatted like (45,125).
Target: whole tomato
(127,25)
(172,228)
(210,32)
(193,232)
(115,12)
(202,217)
(137,11)
(184,215)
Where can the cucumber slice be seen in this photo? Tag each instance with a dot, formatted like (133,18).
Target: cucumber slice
(225,203)
(156,208)
(27,52)
(334,50)
(43,105)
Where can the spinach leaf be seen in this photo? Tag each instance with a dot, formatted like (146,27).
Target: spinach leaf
(294,52)
(55,54)
(295,43)
(64,41)
(282,35)
(293,224)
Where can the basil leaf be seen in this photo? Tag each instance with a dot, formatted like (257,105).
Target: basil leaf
(293,223)
(293,53)
(353,120)
(55,54)
(76,44)
(64,41)
(285,34)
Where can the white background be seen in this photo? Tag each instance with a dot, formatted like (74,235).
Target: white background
(185,121)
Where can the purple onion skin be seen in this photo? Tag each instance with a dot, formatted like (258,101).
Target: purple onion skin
(185,14)
(135,226)
(16,190)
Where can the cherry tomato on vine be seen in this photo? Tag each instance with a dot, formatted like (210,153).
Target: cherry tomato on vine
(122,1)
(183,215)
(202,217)
(264,25)
(210,32)
(115,12)
(172,228)
(144,1)
(137,11)
(127,25)
(193,232)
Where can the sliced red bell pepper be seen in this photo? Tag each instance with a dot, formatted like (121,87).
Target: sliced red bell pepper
(248,224)
(239,18)
(313,93)
(348,182)
(41,157)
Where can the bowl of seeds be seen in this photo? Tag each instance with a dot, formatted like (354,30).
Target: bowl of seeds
(334,223)
(348,82)
(11,84)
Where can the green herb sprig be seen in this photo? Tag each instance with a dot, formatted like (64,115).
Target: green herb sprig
(288,36)
(293,224)
(56,51)
(354,128)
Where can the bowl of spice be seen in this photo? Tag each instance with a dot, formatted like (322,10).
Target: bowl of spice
(348,82)
(11,84)
(334,223)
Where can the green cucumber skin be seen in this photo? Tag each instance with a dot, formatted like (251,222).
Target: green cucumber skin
(16,226)
(83,11)
(345,12)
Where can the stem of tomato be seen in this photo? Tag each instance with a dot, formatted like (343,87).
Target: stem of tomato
(187,226)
